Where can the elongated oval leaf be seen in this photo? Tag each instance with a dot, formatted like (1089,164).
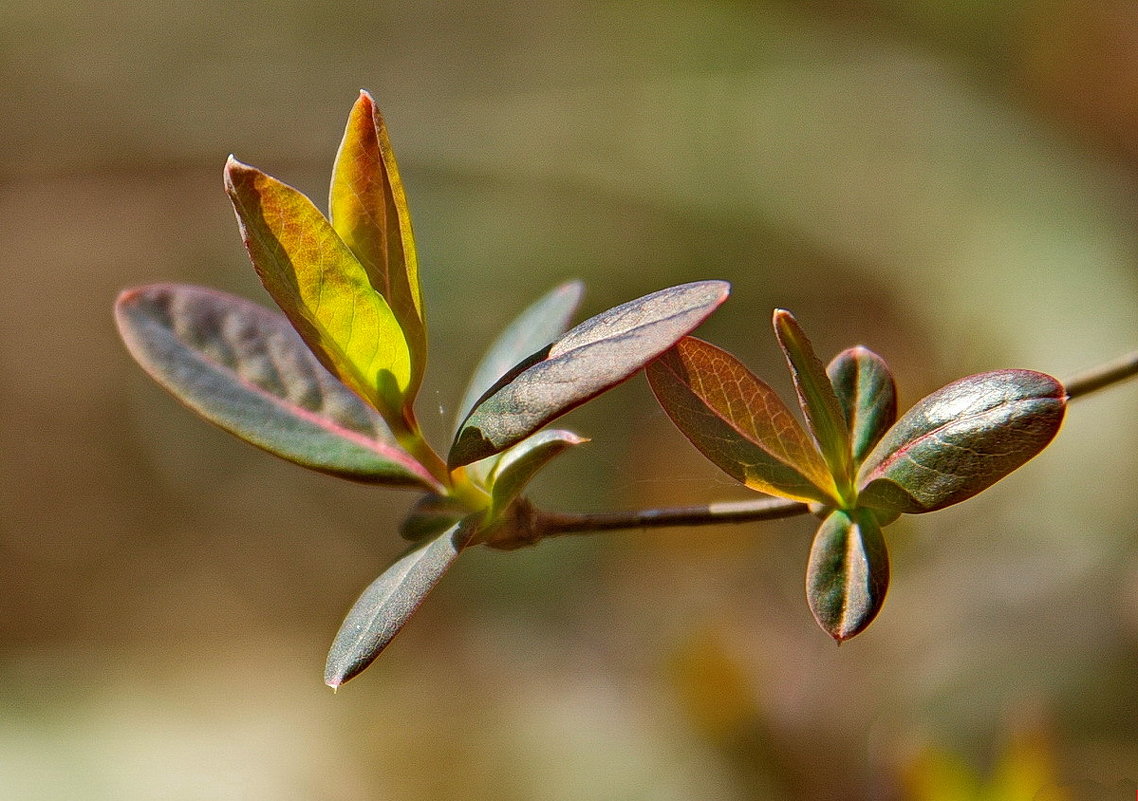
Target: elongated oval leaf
(962,439)
(535,328)
(816,396)
(518,465)
(738,422)
(368,209)
(848,574)
(388,603)
(867,393)
(591,358)
(321,287)
(244,368)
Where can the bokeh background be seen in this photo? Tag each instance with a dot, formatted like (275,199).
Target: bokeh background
(950,182)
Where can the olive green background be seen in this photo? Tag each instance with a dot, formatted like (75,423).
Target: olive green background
(951,183)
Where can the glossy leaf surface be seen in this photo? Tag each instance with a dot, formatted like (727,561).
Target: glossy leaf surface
(738,422)
(848,573)
(518,465)
(962,439)
(320,286)
(388,603)
(535,328)
(816,396)
(368,209)
(591,358)
(244,368)
(867,393)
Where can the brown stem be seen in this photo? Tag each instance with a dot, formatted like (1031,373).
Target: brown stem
(1102,376)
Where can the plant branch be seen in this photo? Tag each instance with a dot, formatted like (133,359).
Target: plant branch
(1102,376)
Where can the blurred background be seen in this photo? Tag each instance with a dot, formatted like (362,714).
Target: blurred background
(949,182)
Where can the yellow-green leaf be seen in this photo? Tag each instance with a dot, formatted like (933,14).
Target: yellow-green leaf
(368,209)
(321,287)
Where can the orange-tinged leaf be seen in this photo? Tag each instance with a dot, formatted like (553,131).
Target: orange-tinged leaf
(368,209)
(738,422)
(321,287)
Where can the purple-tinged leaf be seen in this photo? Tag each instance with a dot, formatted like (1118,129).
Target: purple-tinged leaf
(539,325)
(368,209)
(595,356)
(864,385)
(390,601)
(738,422)
(244,368)
(321,287)
(816,396)
(518,465)
(848,573)
(962,439)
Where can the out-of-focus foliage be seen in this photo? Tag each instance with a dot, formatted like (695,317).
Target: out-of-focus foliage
(948,183)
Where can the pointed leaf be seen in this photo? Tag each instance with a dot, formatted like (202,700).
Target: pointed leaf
(816,396)
(321,287)
(388,603)
(533,329)
(848,573)
(244,368)
(867,393)
(368,209)
(518,465)
(595,356)
(962,439)
(738,422)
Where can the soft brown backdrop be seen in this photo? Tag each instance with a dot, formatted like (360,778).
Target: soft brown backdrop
(949,182)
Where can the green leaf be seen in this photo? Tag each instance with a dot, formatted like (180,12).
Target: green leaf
(390,601)
(816,396)
(738,422)
(864,385)
(244,368)
(593,357)
(848,573)
(533,329)
(431,515)
(518,465)
(321,287)
(962,439)
(368,209)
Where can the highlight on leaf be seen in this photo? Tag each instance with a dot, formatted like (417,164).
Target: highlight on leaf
(848,573)
(867,393)
(961,439)
(595,356)
(816,396)
(321,287)
(739,423)
(245,369)
(367,207)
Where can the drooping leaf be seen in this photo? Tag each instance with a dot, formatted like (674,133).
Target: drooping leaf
(243,367)
(962,439)
(738,422)
(519,464)
(816,396)
(539,325)
(867,393)
(321,287)
(848,573)
(388,603)
(368,209)
(591,358)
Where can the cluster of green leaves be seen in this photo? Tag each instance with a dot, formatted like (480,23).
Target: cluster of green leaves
(859,467)
(331,385)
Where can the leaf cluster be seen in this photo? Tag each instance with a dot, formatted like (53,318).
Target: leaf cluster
(330,383)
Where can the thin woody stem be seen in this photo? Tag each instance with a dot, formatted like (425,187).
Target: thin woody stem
(1102,376)
(553,524)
